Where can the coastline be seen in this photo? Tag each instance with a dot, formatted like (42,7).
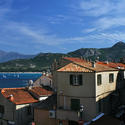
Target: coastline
(23,72)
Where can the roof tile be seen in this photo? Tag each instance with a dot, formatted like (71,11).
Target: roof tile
(22,95)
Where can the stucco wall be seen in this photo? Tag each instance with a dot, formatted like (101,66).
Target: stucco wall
(16,113)
(9,110)
(106,87)
(41,117)
(22,116)
(89,104)
(89,93)
(85,90)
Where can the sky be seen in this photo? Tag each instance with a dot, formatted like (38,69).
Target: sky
(60,26)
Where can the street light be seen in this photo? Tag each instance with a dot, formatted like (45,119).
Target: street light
(81,111)
(80,114)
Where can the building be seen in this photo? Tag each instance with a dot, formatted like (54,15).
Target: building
(120,91)
(44,81)
(84,89)
(16,104)
(45,111)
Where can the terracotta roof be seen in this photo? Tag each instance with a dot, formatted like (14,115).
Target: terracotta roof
(83,64)
(74,68)
(22,95)
(39,91)
(74,59)
(113,65)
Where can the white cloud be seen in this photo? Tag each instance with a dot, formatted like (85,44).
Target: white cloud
(101,14)
(101,7)
(108,23)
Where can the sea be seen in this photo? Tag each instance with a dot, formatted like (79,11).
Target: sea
(15,80)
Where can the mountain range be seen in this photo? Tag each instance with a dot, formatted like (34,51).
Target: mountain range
(43,61)
(6,56)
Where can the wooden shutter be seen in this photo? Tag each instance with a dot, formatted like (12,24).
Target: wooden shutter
(80,79)
(75,104)
(71,80)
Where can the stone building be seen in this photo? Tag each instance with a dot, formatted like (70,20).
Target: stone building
(85,90)
(44,80)
(90,85)
(16,104)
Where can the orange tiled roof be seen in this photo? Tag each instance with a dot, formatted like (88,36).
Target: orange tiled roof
(22,95)
(85,65)
(113,65)
(74,68)
(74,59)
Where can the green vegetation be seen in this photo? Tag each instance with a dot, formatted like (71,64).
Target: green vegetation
(37,64)
(44,60)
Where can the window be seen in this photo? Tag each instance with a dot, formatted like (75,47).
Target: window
(111,78)
(2,109)
(29,110)
(99,79)
(75,104)
(75,79)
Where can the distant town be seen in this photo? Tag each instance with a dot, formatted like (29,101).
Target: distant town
(77,91)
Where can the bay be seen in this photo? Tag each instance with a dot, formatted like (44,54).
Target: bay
(15,80)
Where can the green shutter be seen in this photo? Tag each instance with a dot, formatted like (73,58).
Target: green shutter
(80,79)
(75,104)
(71,79)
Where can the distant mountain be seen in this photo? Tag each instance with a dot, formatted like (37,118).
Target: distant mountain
(7,56)
(115,52)
(43,60)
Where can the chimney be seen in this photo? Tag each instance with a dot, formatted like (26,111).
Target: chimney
(107,62)
(30,84)
(93,64)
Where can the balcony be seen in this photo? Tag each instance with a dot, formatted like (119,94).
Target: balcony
(63,114)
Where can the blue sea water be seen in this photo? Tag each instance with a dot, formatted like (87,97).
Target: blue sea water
(13,80)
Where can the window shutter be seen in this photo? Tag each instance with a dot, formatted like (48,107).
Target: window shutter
(71,79)
(80,79)
(75,104)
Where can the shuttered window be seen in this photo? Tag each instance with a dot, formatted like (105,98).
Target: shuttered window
(111,78)
(76,80)
(75,104)
(99,79)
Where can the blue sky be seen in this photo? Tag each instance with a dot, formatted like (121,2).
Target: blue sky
(33,26)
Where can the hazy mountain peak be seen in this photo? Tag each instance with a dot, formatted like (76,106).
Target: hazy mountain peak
(119,44)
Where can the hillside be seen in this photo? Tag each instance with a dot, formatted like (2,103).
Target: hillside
(43,61)
(36,64)
(115,52)
(7,56)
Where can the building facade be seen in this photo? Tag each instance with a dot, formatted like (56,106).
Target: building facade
(16,104)
(86,85)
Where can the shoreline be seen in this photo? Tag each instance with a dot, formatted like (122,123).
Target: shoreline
(23,72)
